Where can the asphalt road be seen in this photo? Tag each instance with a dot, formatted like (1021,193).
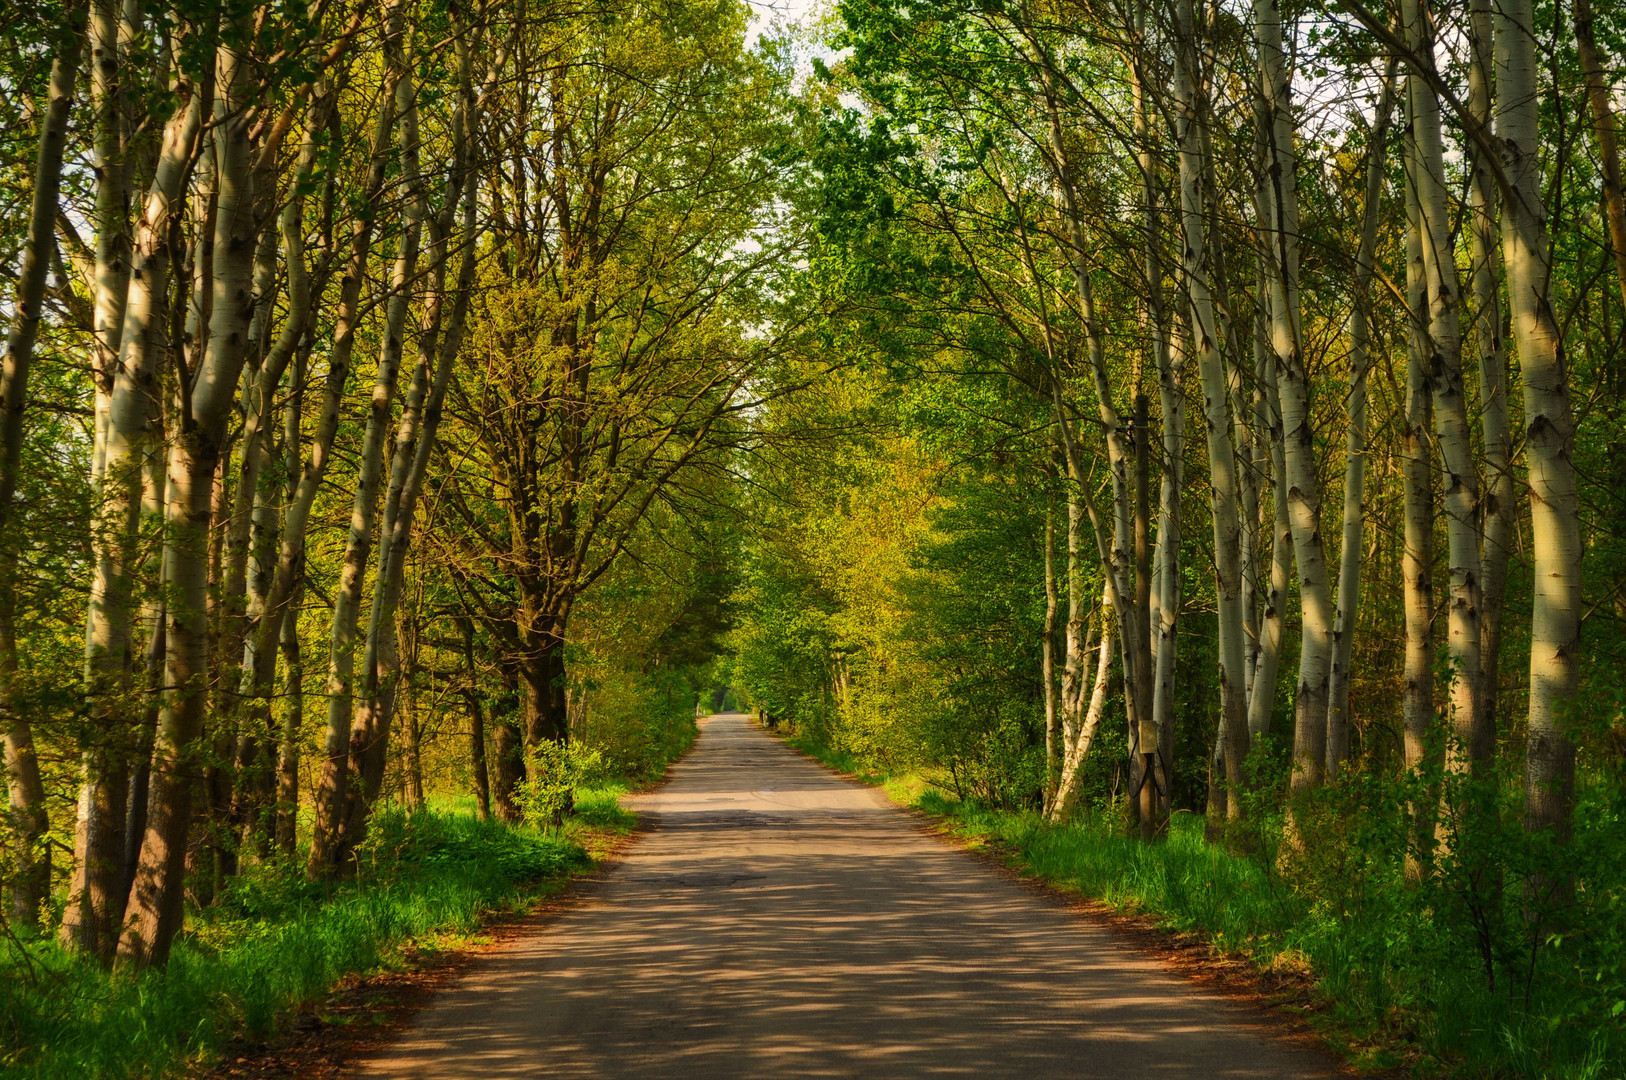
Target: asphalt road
(778,921)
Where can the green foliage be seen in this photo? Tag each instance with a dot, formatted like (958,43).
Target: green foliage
(553,770)
(273,942)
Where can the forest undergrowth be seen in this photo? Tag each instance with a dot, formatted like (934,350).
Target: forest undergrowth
(1396,964)
(277,942)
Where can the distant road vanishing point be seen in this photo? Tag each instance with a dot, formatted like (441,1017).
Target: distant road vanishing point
(777,921)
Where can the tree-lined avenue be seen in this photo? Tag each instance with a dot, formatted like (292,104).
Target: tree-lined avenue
(777,921)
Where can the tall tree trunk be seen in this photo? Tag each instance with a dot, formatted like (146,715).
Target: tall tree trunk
(334,793)
(1460,472)
(1221,455)
(25,790)
(477,723)
(290,562)
(1500,508)
(1293,387)
(111,280)
(1417,702)
(1598,90)
(1047,662)
(1268,422)
(1166,578)
(194,458)
(1119,556)
(409,465)
(1360,363)
(1555,621)
(131,426)
(293,720)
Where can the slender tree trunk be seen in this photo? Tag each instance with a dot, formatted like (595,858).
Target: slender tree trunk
(414,443)
(477,723)
(26,793)
(1074,677)
(111,280)
(1417,702)
(1360,363)
(1454,441)
(1555,621)
(1598,90)
(1047,671)
(154,499)
(1221,455)
(1166,578)
(329,806)
(1119,557)
(293,721)
(1500,508)
(1293,387)
(334,793)
(1268,422)
(1079,751)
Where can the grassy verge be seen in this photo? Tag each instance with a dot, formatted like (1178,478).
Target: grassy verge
(1392,984)
(275,943)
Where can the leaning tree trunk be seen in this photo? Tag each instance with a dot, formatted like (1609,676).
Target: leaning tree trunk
(157,893)
(1360,363)
(1555,530)
(31,878)
(1221,455)
(1078,750)
(1286,341)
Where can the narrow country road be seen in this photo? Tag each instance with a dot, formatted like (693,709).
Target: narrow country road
(778,921)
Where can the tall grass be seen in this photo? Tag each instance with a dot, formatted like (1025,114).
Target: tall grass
(272,943)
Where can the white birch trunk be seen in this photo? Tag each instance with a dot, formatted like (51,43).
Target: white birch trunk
(1293,388)
(1417,703)
(1221,454)
(1460,473)
(1555,529)
(1500,508)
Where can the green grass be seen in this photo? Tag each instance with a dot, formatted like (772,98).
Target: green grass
(276,942)
(1393,986)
